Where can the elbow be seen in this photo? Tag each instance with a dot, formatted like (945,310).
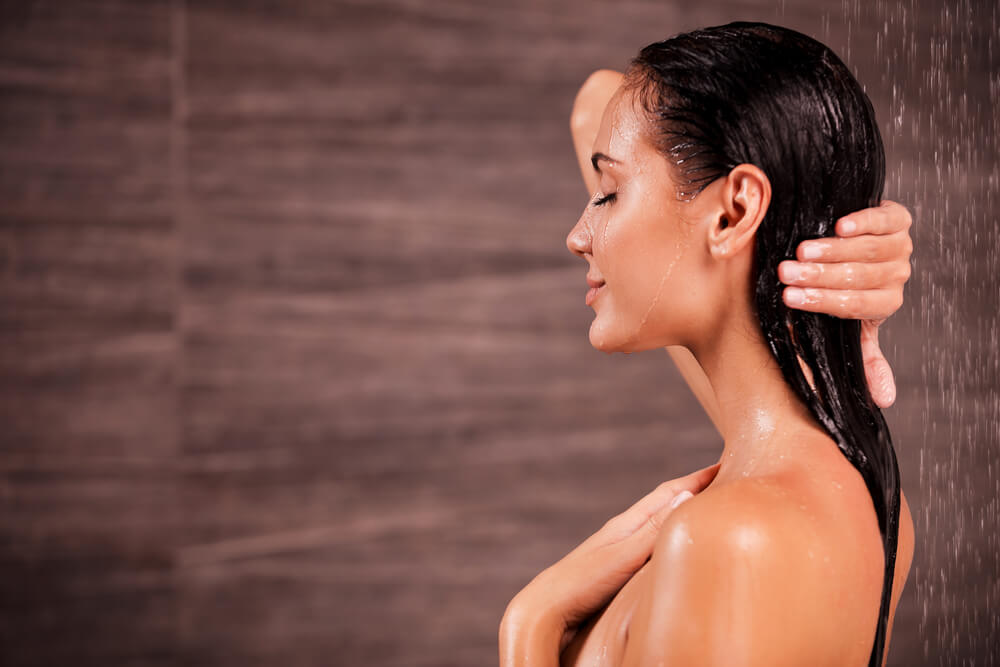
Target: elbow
(593,96)
(581,119)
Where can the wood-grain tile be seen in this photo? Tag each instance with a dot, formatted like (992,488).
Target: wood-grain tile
(293,359)
(87,350)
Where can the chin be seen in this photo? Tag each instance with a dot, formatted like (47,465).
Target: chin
(600,338)
(609,341)
(612,339)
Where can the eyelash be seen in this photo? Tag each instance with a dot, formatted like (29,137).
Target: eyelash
(605,199)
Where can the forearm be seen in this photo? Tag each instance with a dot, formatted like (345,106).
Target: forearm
(527,642)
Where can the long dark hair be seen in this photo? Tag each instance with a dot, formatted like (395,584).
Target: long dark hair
(775,98)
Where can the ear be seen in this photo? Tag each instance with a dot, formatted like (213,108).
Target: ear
(744,197)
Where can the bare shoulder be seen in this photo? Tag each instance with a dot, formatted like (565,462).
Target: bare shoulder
(765,568)
(779,527)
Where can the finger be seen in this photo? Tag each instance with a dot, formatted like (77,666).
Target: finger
(887,218)
(661,496)
(844,275)
(629,521)
(646,535)
(613,554)
(632,551)
(878,373)
(866,248)
(697,481)
(873,304)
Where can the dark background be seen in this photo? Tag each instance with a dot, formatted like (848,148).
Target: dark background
(294,365)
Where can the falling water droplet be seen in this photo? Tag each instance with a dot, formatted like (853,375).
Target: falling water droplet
(935,82)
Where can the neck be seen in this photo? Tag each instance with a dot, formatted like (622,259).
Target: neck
(762,418)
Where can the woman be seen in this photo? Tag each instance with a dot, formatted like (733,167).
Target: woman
(719,153)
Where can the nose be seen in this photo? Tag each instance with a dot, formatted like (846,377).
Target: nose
(578,239)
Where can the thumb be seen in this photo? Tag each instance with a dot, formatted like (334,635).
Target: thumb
(878,373)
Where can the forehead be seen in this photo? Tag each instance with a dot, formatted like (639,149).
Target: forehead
(622,134)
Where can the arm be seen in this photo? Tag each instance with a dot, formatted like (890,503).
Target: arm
(543,618)
(585,120)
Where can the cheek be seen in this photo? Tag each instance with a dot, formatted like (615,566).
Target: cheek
(645,266)
(666,298)
(641,256)
(623,239)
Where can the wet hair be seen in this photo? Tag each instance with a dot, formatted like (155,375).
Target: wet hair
(775,98)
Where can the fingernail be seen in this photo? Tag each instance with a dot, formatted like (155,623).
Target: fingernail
(848,226)
(680,497)
(795,296)
(811,251)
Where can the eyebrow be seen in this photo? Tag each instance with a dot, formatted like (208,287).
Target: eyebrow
(596,157)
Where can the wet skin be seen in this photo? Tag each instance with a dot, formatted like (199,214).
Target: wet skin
(777,558)
(860,273)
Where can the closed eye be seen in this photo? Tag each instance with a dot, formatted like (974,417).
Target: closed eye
(605,199)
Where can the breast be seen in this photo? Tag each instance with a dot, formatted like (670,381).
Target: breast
(601,641)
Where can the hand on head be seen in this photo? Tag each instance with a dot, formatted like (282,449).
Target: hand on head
(858,274)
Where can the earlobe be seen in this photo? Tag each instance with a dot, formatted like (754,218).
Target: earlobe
(718,243)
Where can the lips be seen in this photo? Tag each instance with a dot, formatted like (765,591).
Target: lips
(596,285)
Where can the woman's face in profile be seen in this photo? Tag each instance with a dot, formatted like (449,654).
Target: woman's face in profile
(636,238)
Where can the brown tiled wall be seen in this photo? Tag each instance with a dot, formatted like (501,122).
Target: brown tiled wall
(293,359)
